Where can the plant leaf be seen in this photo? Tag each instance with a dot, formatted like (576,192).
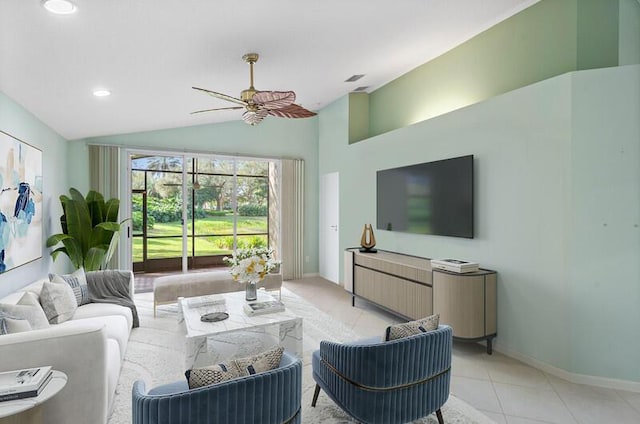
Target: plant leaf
(94,258)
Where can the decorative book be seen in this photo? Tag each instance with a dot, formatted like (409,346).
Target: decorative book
(266,307)
(20,384)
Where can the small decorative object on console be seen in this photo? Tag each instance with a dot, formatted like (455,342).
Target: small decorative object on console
(269,306)
(368,240)
(20,384)
(454,265)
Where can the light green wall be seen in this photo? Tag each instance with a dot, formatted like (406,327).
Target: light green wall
(547,39)
(531,172)
(604,249)
(629,49)
(533,45)
(20,123)
(274,137)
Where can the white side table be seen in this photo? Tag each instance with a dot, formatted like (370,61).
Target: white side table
(28,410)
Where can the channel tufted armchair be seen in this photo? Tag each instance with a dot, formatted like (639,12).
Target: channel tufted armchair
(271,397)
(387,382)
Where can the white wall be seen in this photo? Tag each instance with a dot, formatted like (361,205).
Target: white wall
(529,170)
(20,123)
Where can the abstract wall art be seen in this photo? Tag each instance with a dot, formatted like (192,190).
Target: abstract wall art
(20,202)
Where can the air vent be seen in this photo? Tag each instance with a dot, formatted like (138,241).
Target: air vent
(353,78)
(363,88)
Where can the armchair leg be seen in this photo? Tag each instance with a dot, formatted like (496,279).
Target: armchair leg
(439,415)
(315,396)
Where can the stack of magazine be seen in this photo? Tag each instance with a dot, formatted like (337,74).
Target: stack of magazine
(20,384)
(266,307)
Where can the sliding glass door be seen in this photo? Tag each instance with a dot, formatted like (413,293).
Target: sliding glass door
(226,206)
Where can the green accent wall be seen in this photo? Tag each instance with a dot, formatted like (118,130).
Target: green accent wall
(597,33)
(629,38)
(547,39)
(20,123)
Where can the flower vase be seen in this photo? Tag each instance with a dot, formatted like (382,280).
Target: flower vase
(251,292)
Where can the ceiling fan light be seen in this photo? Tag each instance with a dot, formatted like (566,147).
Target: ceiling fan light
(60,7)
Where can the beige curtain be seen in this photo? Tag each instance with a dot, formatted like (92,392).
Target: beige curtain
(292,219)
(104,170)
(104,177)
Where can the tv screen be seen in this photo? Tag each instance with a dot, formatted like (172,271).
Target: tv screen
(428,198)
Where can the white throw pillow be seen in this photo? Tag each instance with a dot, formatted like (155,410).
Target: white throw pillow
(28,308)
(58,301)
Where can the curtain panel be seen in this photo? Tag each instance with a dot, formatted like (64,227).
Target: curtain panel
(292,218)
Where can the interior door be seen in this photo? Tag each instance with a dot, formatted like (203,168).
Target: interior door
(329,248)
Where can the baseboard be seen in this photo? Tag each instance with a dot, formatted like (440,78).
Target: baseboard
(608,383)
(311,274)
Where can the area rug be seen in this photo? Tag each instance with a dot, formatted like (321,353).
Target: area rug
(156,355)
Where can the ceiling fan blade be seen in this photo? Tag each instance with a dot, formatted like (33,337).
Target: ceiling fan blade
(219,108)
(274,99)
(292,111)
(221,96)
(254,117)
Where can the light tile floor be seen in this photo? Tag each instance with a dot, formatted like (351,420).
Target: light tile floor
(503,388)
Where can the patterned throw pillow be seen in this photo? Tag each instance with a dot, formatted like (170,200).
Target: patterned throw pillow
(261,362)
(411,328)
(28,308)
(58,301)
(77,281)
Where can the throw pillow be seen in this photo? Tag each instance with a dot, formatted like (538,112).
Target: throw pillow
(10,324)
(78,283)
(411,328)
(261,362)
(58,301)
(28,308)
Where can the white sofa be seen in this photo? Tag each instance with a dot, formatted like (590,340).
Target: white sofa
(89,349)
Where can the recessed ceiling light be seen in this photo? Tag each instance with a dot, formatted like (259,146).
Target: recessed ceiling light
(59,7)
(102,93)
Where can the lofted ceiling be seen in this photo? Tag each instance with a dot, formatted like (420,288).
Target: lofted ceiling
(149,53)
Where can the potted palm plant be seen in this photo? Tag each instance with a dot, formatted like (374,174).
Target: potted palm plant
(90,230)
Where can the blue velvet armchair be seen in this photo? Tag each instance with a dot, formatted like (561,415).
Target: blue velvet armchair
(272,397)
(387,382)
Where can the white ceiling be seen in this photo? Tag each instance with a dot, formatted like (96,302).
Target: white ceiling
(150,52)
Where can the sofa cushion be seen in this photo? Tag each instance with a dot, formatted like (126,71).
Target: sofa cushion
(28,307)
(78,283)
(58,302)
(96,310)
(406,329)
(255,364)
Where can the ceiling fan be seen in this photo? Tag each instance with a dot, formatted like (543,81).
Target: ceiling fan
(259,104)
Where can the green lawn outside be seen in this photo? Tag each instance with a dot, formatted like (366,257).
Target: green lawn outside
(172,247)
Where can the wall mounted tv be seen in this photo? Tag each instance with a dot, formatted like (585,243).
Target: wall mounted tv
(428,198)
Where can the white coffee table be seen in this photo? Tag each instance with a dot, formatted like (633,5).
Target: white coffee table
(28,410)
(288,324)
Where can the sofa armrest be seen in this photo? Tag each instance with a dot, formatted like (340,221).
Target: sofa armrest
(78,350)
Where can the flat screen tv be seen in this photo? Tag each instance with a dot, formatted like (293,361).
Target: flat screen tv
(427,198)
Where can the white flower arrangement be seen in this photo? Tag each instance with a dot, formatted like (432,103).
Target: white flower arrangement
(251,265)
